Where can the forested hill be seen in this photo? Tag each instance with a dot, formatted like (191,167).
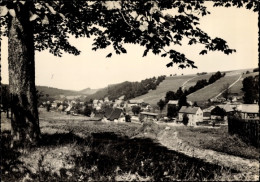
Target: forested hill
(128,89)
(55,91)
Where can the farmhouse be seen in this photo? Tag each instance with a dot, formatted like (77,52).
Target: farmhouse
(195,114)
(249,111)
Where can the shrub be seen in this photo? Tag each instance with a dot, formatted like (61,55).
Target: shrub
(185,120)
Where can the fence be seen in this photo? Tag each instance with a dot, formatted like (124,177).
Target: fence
(247,130)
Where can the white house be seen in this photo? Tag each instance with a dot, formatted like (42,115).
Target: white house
(195,114)
(249,111)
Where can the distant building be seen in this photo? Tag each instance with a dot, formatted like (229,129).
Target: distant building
(248,111)
(134,102)
(207,112)
(195,114)
(144,116)
(114,114)
(173,103)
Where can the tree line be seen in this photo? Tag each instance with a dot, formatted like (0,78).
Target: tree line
(128,89)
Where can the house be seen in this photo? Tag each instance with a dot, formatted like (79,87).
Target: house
(114,114)
(249,111)
(68,109)
(195,114)
(172,103)
(135,102)
(144,116)
(60,108)
(207,112)
(228,107)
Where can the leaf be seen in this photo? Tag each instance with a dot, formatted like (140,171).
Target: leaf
(12,12)
(169,64)
(109,55)
(182,66)
(203,52)
(123,50)
(3,10)
(164,55)
(34,17)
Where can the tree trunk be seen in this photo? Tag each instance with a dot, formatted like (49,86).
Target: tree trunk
(25,122)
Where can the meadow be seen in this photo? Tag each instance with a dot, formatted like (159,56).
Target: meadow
(75,148)
(212,90)
(169,84)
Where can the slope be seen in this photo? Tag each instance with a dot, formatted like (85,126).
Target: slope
(214,89)
(169,84)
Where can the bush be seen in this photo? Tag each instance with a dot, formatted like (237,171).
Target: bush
(185,120)
(87,111)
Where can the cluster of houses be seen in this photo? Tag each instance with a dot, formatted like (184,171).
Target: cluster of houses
(121,110)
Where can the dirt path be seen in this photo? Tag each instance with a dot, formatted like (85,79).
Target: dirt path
(183,85)
(248,168)
(228,87)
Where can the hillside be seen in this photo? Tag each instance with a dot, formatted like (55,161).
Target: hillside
(169,84)
(128,89)
(88,91)
(52,92)
(214,89)
(194,80)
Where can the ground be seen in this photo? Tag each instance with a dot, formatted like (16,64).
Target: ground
(74,148)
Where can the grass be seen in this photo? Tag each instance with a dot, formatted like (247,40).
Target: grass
(194,80)
(105,157)
(212,90)
(169,84)
(84,150)
(218,139)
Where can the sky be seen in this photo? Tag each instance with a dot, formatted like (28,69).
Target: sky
(91,69)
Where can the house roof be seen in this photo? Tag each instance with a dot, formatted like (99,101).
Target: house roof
(115,114)
(95,101)
(108,112)
(68,108)
(174,102)
(209,109)
(227,107)
(250,108)
(149,113)
(189,110)
(136,101)
(121,98)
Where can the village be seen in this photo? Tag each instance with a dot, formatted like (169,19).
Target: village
(215,113)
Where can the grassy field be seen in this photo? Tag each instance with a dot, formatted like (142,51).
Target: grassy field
(214,89)
(169,84)
(193,81)
(74,148)
(217,139)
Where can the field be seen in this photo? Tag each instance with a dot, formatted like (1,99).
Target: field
(169,84)
(193,81)
(214,89)
(74,148)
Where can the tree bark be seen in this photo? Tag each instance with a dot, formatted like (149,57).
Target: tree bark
(25,128)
